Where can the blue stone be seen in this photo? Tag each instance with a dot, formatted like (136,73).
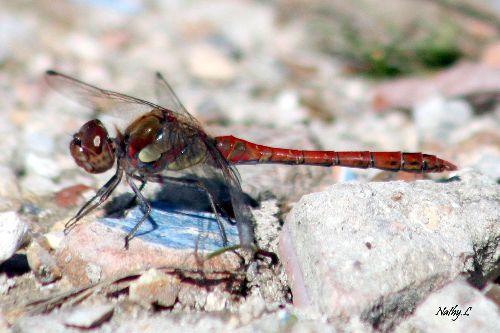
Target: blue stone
(176,228)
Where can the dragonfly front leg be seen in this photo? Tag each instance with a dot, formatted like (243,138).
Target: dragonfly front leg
(90,205)
(145,207)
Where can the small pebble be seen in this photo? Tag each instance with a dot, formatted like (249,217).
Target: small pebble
(155,287)
(42,263)
(208,63)
(54,239)
(216,301)
(6,284)
(437,118)
(89,316)
(12,231)
(8,183)
(71,196)
(43,166)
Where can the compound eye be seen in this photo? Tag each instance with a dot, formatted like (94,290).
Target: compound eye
(91,147)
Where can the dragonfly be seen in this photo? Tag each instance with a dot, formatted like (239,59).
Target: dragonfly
(165,138)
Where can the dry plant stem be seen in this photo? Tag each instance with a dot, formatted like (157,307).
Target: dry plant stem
(76,295)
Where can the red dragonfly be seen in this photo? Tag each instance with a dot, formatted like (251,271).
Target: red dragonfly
(165,137)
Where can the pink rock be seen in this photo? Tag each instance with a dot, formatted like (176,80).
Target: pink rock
(491,56)
(92,252)
(460,80)
(292,269)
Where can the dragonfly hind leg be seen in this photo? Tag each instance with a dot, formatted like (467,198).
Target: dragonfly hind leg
(199,185)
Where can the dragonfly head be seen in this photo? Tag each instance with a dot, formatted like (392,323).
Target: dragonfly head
(92,148)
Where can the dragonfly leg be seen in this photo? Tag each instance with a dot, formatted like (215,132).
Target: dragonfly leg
(102,194)
(145,207)
(130,202)
(133,200)
(255,250)
(199,185)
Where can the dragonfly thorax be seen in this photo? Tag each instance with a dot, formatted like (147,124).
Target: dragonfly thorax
(155,142)
(141,140)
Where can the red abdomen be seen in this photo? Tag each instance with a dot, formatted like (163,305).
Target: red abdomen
(239,151)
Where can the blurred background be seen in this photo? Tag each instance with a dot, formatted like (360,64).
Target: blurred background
(338,75)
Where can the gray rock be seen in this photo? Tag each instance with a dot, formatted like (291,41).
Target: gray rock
(489,164)
(375,250)
(12,232)
(458,307)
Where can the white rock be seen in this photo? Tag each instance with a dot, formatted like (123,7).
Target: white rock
(45,323)
(84,46)
(374,250)
(37,185)
(5,284)
(39,143)
(12,231)
(207,63)
(89,315)
(42,166)
(54,239)
(436,118)
(216,301)
(9,187)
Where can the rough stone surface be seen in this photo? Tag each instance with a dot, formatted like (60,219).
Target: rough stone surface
(375,250)
(457,307)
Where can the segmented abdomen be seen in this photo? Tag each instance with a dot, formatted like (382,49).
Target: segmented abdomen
(239,151)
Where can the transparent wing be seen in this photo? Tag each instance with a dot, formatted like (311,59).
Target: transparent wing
(166,96)
(241,206)
(103,100)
